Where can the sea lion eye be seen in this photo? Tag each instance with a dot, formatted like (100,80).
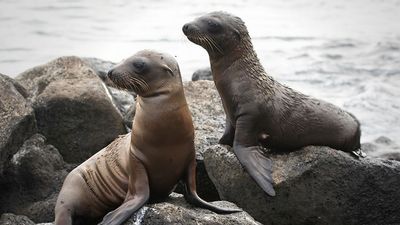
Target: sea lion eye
(213,26)
(139,66)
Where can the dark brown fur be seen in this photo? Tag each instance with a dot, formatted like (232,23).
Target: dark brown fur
(259,110)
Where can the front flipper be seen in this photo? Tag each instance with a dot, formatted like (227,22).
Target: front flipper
(191,194)
(250,155)
(257,165)
(137,196)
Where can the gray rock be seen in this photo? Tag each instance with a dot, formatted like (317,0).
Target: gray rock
(32,182)
(208,118)
(129,115)
(17,119)
(72,107)
(202,74)
(207,113)
(101,67)
(123,100)
(11,219)
(176,211)
(315,185)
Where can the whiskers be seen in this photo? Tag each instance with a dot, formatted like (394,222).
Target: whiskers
(207,41)
(129,82)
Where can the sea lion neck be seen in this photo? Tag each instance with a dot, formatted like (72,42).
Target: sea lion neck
(240,57)
(173,97)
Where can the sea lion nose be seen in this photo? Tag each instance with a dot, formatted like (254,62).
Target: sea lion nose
(185,28)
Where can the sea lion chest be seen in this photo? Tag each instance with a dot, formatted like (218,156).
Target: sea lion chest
(164,143)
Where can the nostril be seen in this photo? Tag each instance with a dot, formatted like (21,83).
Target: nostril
(185,28)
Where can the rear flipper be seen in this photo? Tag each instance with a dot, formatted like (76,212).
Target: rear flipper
(191,194)
(359,153)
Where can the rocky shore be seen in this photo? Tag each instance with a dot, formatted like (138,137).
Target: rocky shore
(56,115)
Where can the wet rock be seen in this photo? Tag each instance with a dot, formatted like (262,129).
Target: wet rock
(202,74)
(73,108)
(177,211)
(32,182)
(315,185)
(11,219)
(17,119)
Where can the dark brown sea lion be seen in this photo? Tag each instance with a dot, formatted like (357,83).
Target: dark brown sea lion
(146,164)
(259,110)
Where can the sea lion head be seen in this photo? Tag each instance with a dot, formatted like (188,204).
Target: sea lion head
(219,33)
(146,72)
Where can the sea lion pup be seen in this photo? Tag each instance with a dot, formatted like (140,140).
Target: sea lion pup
(145,164)
(259,110)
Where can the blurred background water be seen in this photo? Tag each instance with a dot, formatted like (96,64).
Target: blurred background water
(345,52)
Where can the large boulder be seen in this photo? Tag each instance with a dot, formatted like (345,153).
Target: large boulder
(207,112)
(315,185)
(17,120)
(33,180)
(73,108)
(123,100)
(177,211)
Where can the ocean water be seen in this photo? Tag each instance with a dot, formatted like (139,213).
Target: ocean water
(345,52)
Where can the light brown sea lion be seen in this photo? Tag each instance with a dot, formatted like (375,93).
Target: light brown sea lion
(259,110)
(145,164)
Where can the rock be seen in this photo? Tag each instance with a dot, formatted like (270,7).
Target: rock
(207,113)
(208,118)
(123,100)
(384,140)
(33,180)
(202,74)
(176,211)
(11,219)
(72,107)
(129,115)
(101,67)
(17,119)
(315,185)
